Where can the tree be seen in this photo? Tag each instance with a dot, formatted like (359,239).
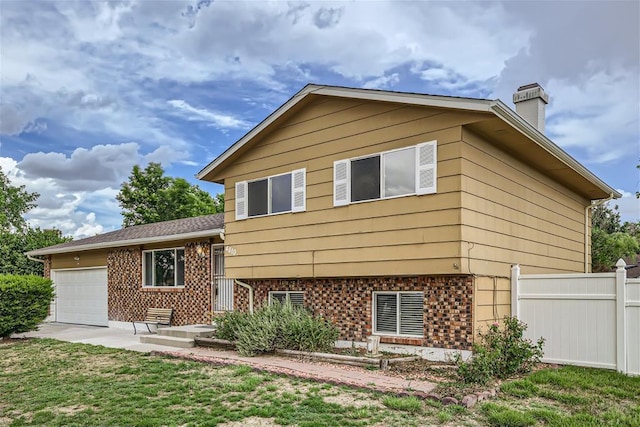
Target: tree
(611,240)
(140,197)
(14,203)
(149,197)
(16,237)
(15,244)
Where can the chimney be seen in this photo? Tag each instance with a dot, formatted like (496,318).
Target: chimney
(530,103)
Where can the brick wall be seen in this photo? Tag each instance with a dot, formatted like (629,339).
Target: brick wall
(448,304)
(128,300)
(47,267)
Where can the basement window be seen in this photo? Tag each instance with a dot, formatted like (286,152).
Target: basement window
(395,173)
(398,313)
(163,267)
(295,297)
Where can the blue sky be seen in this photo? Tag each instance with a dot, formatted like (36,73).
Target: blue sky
(89,89)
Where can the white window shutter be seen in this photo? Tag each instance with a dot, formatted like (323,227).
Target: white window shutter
(298,190)
(341,193)
(426,168)
(241,200)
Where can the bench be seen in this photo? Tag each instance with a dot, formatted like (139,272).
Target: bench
(155,316)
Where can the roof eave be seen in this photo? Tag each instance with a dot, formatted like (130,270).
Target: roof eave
(509,116)
(130,242)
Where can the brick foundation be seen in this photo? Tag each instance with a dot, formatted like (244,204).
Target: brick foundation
(128,300)
(448,302)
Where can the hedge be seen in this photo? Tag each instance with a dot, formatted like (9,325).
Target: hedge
(24,303)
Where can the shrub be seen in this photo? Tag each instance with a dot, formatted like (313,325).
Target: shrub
(228,323)
(24,302)
(501,353)
(274,326)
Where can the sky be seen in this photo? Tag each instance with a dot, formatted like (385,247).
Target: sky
(90,89)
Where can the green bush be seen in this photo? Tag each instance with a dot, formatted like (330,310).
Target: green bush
(24,302)
(501,353)
(274,326)
(228,323)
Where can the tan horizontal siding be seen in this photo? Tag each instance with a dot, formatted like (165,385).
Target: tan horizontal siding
(317,151)
(516,214)
(492,301)
(361,238)
(347,269)
(492,260)
(95,258)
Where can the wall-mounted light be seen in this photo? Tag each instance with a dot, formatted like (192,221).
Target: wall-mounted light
(200,251)
(76,258)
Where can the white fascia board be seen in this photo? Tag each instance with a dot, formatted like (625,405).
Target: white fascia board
(131,242)
(470,104)
(512,118)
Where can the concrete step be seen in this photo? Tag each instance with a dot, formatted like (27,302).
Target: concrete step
(188,331)
(167,340)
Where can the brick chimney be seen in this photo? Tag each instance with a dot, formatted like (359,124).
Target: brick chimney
(530,101)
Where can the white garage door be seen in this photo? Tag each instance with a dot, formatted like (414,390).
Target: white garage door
(81,296)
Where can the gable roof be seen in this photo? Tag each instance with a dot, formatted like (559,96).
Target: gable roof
(561,166)
(177,229)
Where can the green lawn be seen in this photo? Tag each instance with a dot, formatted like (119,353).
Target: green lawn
(48,382)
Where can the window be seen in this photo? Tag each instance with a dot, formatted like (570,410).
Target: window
(164,267)
(395,173)
(295,297)
(398,313)
(271,195)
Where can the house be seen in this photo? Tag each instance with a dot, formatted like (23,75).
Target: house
(400,214)
(391,214)
(111,279)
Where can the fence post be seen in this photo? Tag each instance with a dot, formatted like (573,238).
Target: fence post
(515,301)
(621,312)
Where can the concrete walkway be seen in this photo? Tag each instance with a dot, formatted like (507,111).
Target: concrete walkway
(324,372)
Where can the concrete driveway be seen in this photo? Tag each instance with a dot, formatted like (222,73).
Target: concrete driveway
(96,335)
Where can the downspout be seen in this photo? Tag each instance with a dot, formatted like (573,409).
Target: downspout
(587,238)
(245,285)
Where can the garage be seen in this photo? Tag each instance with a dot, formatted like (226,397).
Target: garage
(81,296)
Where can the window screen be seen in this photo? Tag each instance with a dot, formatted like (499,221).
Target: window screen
(365,179)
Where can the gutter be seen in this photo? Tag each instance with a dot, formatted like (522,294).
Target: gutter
(130,242)
(29,257)
(246,285)
(587,238)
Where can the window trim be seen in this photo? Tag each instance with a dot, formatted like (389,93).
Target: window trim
(175,267)
(287,296)
(374,313)
(298,194)
(342,174)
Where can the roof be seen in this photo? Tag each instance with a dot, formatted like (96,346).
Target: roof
(558,161)
(177,229)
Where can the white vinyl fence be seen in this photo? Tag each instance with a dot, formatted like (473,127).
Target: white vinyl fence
(586,319)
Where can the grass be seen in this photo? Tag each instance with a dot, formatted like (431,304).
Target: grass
(569,396)
(53,383)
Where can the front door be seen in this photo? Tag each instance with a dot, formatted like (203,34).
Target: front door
(222,287)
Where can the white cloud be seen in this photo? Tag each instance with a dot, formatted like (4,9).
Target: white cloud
(85,169)
(598,115)
(628,206)
(383,82)
(219,120)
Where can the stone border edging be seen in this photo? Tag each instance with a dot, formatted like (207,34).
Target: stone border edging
(467,401)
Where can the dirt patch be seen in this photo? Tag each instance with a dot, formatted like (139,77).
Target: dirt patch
(251,422)
(70,410)
(353,399)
